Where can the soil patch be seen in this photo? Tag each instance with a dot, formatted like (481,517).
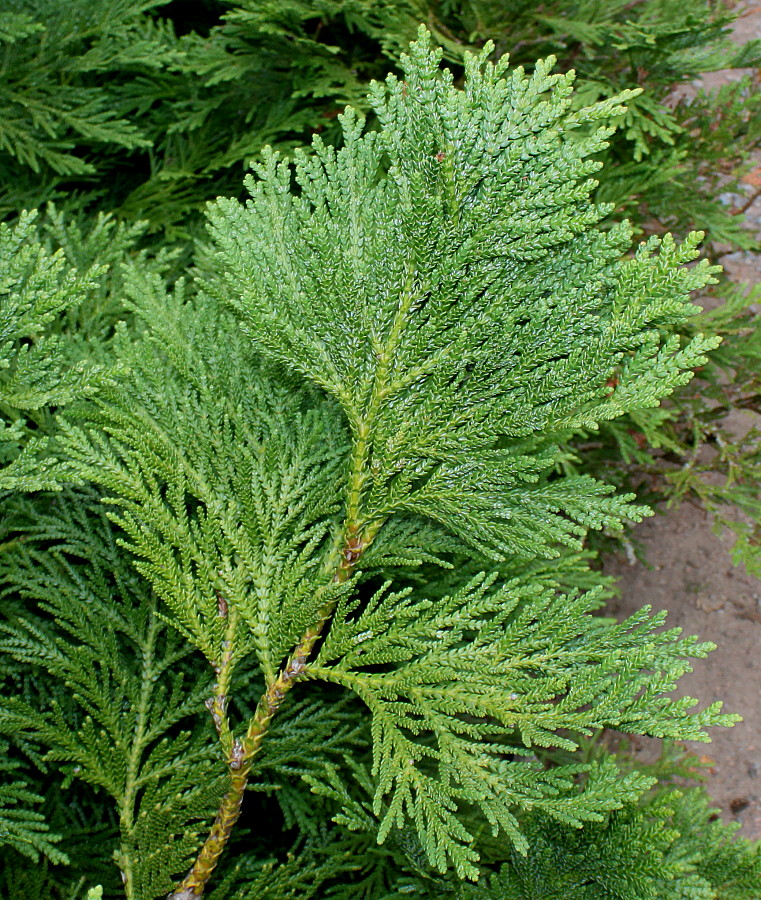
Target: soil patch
(689,573)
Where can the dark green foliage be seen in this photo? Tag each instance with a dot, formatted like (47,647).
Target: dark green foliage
(66,47)
(61,299)
(71,79)
(22,826)
(152,111)
(104,95)
(667,849)
(118,726)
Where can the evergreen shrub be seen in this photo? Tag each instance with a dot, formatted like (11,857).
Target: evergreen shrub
(299,603)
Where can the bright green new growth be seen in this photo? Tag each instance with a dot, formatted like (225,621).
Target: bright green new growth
(443,281)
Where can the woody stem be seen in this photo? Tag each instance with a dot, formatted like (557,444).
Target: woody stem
(240,753)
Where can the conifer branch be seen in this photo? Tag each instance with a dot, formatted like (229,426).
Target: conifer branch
(443,280)
(241,752)
(127,672)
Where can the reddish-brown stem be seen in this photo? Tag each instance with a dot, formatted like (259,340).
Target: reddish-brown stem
(241,753)
(739,210)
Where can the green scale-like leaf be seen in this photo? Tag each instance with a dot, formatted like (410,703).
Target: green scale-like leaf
(456,686)
(444,280)
(227,483)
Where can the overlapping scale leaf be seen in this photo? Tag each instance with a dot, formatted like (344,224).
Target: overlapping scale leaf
(445,279)
(226,482)
(460,688)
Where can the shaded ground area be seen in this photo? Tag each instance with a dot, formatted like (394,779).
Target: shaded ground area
(691,575)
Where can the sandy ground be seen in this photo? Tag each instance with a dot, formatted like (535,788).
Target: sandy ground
(690,573)
(692,577)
